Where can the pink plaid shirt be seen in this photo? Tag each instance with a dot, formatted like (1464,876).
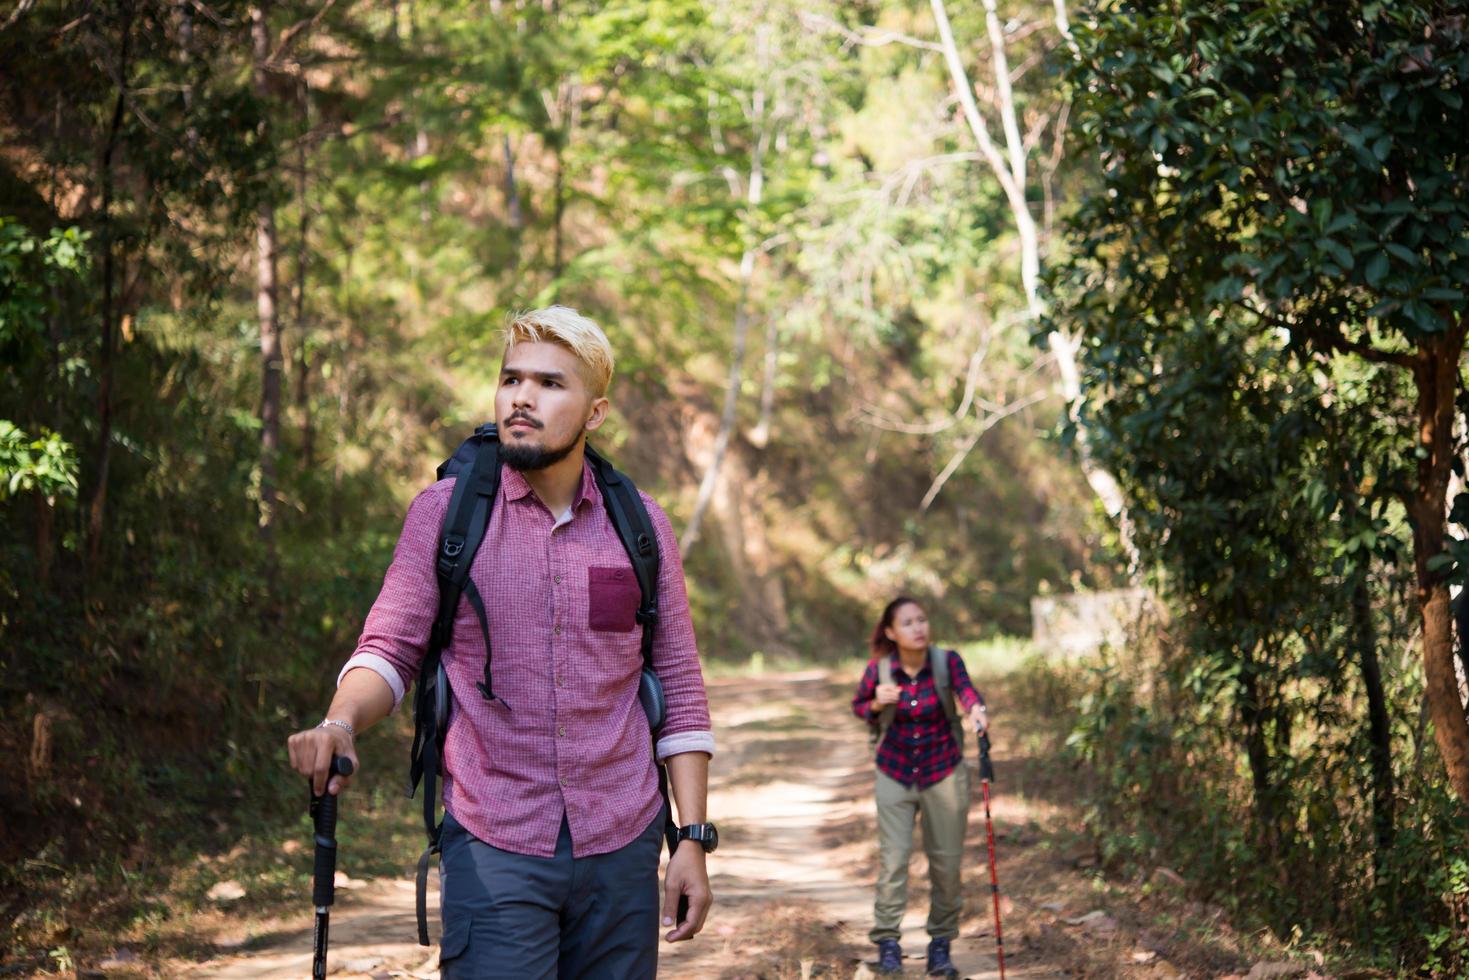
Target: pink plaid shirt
(571,736)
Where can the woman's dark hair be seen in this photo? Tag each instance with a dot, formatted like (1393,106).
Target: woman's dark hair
(881,645)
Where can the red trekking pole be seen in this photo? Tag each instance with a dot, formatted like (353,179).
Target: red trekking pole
(986,776)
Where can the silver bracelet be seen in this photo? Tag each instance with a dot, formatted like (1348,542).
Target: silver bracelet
(352,732)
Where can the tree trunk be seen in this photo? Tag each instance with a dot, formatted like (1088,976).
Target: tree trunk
(1379,733)
(1010,169)
(754,195)
(514,215)
(557,212)
(1252,722)
(760,435)
(1436,374)
(97,507)
(303,269)
(45,521)
(731,402)
(266,294)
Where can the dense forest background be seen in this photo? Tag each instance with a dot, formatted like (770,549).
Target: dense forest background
(976,302)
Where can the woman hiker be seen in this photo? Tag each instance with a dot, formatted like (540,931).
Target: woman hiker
(920,774)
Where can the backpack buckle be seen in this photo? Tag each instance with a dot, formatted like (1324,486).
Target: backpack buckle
(645,546)
(449,555)
(647,615)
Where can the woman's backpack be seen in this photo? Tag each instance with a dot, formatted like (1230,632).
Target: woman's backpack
(938,663)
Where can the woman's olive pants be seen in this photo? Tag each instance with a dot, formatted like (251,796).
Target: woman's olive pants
(943,810)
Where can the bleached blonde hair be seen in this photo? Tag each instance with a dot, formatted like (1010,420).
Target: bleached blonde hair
(567,328)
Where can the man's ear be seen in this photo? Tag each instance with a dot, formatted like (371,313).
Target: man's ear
(597,415)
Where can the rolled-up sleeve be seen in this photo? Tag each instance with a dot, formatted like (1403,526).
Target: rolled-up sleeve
(686,727)
(968,694)
(395,635)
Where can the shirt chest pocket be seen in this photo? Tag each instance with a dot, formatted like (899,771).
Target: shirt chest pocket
(918,706)
(612,599)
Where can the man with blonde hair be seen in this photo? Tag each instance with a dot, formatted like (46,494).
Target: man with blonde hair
(554,818)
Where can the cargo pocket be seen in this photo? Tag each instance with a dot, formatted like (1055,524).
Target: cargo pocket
(454,961)
(612,599)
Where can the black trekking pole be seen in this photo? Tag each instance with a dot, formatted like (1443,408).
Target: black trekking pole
(323,891)
(987,776)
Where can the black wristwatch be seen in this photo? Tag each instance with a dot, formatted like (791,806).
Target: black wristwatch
(705,833)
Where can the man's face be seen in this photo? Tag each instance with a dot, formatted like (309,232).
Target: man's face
(543,406)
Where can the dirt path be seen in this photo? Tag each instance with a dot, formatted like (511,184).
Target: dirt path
(791,791)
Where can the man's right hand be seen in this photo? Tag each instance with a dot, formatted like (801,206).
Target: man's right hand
(311,754)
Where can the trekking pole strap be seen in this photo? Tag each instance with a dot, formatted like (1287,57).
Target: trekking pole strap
(421,898)
(670,828)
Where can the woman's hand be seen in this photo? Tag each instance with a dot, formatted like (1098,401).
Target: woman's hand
(977,719)
(887,694)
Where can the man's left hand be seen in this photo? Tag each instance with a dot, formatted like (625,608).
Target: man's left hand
(687,876)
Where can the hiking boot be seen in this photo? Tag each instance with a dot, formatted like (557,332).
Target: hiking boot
(889,956)
(939,964)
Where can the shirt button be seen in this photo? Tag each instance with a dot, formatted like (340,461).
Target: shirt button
(563,779)
(558,633)
(560,680)
(913,703)
(561,730)
(558,578)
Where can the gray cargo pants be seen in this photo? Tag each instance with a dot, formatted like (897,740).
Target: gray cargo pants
(519,917)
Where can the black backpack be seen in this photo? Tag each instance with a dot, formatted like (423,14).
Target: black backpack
(475,467)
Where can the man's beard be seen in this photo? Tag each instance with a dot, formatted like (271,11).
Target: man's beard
(525,458)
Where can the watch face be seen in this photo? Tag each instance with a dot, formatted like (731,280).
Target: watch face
(705,834)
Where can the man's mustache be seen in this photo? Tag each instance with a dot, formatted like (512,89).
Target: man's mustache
(524,418)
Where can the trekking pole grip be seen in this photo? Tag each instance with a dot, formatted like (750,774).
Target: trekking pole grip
(324,817)
(986,767)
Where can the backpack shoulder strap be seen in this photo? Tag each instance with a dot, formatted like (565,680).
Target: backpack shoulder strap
(890,711)
(475,467)
(639,539)
(938,662)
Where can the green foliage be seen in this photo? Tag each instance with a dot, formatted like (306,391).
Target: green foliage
(1295,163)
(46,464)
(1164,785)
(30,269)
(1281,225)
(430,166)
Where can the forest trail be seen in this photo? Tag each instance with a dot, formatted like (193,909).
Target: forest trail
(791,791)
